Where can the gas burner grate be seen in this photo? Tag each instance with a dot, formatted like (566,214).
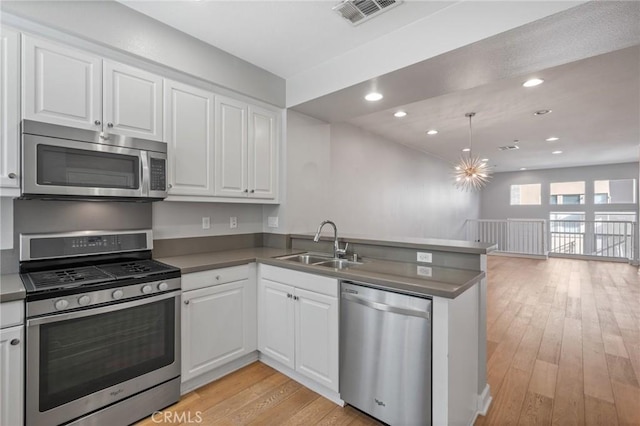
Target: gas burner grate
(137,268)
(68,277)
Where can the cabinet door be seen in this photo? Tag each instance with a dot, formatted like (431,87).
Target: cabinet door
(9,110)
(218,325)
(61,85)
(132,101)
(11,376)
(190,138)
(275,322)
(263,153)
(317,337)
(231,148)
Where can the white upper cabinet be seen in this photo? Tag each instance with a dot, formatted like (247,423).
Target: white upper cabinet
(231,148)
(61,85)
(189,132)
(246,150)
(132,101)
(9,111)
(70,87)
(263,152)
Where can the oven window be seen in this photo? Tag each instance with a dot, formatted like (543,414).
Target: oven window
(84,355)
(84,168)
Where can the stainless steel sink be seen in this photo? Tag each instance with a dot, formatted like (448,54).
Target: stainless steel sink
(308,258)
(338,263)
(318,259)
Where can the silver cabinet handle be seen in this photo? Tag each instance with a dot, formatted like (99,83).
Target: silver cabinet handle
(186,302)
(97,122)
(170,186)
(15,342)
(252,191)
(109,124)
(218,277)
(12,175)
(289,296)
(246,190)
(296,298)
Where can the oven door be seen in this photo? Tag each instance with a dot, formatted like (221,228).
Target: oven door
(81,361)
(62,167)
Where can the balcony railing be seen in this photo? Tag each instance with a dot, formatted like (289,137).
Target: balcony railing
(539,237)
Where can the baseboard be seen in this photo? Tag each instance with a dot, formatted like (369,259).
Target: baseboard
(484,400)
(303,380)
(217,373)
(526,256)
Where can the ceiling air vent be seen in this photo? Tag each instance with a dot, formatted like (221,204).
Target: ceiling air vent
(359,11)
(508,147)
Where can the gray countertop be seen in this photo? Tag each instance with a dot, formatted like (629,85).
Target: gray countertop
(400,276)
(11,288)
(457,246)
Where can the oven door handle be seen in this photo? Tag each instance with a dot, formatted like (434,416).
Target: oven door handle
(100,310)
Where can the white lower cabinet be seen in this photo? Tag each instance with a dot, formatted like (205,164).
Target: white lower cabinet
(218,319)
(298,322)
(12,366)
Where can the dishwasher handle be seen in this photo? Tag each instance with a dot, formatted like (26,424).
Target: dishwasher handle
(386,308)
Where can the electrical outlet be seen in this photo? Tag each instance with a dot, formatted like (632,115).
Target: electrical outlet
(424,271)
(272,222)
(206,222)
(424,257)
(233,222)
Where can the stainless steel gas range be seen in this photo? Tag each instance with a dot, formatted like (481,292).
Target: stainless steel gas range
(103,328)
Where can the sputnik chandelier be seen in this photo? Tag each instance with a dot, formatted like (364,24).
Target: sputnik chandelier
(471,173)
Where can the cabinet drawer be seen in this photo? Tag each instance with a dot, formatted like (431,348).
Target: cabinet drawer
(11,313)
(203,279)
(303,280)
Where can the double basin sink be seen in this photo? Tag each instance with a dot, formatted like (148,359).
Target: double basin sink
(317,259)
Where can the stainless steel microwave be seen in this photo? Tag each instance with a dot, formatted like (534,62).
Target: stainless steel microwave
(64,162)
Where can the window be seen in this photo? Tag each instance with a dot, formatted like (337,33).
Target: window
(523,195)
(567,193)
(619,191)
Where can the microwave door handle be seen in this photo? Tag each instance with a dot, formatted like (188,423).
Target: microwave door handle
(145,175)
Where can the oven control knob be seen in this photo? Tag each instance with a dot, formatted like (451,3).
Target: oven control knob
(163,286)
(84,300)
(146,289)
(117,294)
(61,304)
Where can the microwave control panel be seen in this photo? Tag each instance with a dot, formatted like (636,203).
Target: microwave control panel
(158,172)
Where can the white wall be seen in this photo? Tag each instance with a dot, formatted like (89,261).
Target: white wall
(180,220)
(368,185)
(495,199)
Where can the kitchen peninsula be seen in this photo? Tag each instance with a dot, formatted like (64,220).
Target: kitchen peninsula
(455,279)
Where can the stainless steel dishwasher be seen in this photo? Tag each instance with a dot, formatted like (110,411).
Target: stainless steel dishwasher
(385,354)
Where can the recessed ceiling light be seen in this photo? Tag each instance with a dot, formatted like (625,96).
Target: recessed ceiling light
(466,150)
(373,96)
(400,114)
(432,132)
(557,152)
(485,160)
(552,139)
(523,168)
(533,82)
(542,112)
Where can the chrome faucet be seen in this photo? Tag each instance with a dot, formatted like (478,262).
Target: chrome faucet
(337,251)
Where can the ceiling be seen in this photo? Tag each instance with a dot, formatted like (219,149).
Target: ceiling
(592,76)
(283,37)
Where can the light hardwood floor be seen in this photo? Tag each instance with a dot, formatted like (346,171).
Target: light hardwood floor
(563,342)
(563,348)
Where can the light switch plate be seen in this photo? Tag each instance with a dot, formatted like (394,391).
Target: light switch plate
(233,222)
(206,222)
(424,257)
(272,222)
